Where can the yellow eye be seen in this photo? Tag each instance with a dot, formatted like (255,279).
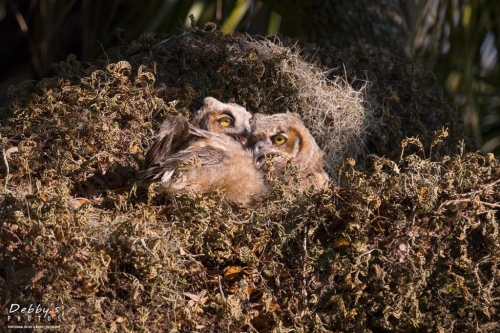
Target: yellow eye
(279,139)
(226,121)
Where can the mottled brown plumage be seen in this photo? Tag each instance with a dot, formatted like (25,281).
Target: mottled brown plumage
(172,137)
(282,138)
(214,116)
(188,158)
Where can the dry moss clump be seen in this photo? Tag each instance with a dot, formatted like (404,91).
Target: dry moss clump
(405,100)
(262,75)
(409,245)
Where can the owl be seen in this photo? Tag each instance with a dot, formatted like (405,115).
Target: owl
(230,119)
(214,116)
(188,158)
(279,139)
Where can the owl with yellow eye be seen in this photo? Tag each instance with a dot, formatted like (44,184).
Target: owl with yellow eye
(281,139)
(206,155)
(186,158)
(214,116)
(225,118)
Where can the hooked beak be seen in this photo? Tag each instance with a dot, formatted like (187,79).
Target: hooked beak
(260,161)
(259,156)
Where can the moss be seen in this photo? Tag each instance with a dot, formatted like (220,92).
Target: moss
(410,244)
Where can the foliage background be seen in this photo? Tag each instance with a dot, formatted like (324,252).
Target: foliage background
(410,245)
(457,39)
(407,246)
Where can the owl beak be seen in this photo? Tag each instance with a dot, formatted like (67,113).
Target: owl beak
(258,149)
(260,161)
(258,155)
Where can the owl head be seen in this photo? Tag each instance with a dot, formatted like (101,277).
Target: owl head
(283,137)
(187,158)
(226,118)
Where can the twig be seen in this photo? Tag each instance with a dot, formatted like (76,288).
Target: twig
(304,267)
(27,209)
(147,249)
(5,161)
(245,221)
(446,203)
(7,171)
(253,328)
(491,205)
(481,189)
(221,291)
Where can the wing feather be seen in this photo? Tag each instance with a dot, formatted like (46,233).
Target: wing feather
(192,156)
(175,134)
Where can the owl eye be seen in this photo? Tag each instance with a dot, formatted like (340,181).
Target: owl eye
(226,121)
(279,139)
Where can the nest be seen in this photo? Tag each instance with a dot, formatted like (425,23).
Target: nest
(408,245)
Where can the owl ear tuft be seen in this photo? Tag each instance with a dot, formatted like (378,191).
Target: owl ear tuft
(209,101)
(256,116)
(295,115)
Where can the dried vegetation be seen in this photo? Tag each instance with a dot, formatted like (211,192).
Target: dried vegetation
(409,245)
